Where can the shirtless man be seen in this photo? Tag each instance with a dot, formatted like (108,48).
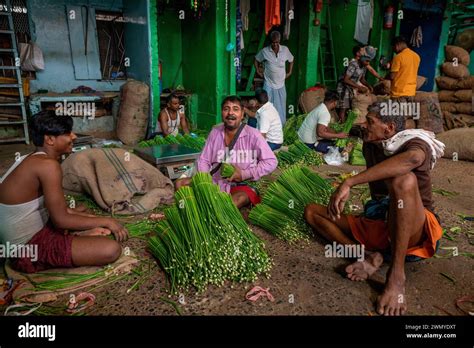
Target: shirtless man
(33,209)
(398,164)
(171,119)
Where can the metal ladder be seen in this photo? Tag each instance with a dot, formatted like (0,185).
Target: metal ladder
(19,84)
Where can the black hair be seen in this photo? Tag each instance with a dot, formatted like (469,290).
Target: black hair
(330,96)
(398,39)
(262,96)
(232,98)
(356,49)
(170,97)
(48,123)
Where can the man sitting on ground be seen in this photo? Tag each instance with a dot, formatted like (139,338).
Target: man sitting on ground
(251,156)
(33,209)
(268,121)
(251,111)
(171,119)
(314,131)
(410,228)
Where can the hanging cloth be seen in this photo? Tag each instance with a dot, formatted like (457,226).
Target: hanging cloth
(239,43)
(289,6)
(272,14)
(417,37)
(364,21)
(244,11)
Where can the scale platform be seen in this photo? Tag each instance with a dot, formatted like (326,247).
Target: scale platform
(172,159)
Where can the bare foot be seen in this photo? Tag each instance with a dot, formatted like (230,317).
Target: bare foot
(361,270)
(156,216)
(392,301)
(98,231)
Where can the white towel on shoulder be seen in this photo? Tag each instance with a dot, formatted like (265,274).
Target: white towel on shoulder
(392,145)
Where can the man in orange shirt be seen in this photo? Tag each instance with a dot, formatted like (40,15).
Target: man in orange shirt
(404,69)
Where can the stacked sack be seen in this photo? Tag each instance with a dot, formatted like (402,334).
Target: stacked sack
(455,89)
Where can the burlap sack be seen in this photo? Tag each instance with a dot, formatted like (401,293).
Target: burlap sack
(362,102)
(455,71)
(448,106)
(464,95)
(445,82)
(464,108)
(383,87)
(446,96)
(448,120)
(466,39)
(431,116)
(467,119)
(119,182)
(310,99)
(420,81)
(453,52)
(458,142)
(466,83)
(133,115)
(27,292)
(456,120)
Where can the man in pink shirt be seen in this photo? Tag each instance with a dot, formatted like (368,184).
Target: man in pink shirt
(251,156)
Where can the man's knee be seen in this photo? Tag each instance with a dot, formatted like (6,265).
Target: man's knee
(111,252)
(404,183)
(311,210)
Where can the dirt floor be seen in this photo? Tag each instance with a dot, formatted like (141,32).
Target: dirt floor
(303,281)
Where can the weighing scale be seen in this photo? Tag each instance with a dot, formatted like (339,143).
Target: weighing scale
(171,159)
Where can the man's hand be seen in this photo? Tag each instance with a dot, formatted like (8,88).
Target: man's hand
(287,75)
(362,89)
(260,71)
(338,200)
(120,233)
(342,135)
(371,89)
(237,176)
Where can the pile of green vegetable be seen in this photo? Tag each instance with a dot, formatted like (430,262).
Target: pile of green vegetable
(290,130)
(281,212)
(356,157)
(140,228)
(227,170)
(298,153)
(346,127)
(186,140)
(207,242)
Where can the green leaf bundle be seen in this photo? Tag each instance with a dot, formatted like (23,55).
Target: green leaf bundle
(351,117)
(204,239)
(288,196)
(227,170)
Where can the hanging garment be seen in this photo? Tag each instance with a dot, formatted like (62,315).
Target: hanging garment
(363,21)
(289,6)
(244,11)
(239,44)
(272,14)
(417,37)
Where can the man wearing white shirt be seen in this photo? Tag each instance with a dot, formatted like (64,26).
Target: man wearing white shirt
(268,121)
(314,131)
(274,58)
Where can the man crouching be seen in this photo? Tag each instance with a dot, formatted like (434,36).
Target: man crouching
(399,226)
(33,210)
